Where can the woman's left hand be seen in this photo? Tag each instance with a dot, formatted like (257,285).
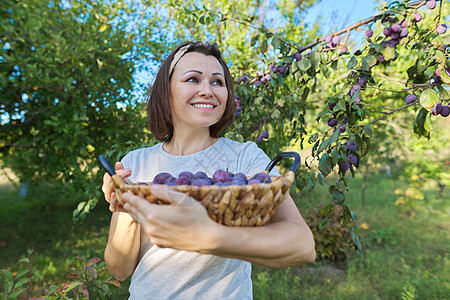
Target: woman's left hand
(184,225)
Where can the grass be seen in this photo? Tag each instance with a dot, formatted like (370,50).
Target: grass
(405,255)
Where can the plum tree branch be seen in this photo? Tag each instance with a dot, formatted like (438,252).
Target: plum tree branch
(390,112)
(355,26)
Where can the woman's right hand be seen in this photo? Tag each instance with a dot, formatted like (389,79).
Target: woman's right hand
(108,187)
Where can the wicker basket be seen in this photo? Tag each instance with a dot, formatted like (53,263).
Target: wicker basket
(234,205)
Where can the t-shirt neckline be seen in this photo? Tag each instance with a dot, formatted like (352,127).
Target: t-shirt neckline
(164,152)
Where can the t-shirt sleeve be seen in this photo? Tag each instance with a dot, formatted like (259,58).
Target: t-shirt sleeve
(257,160)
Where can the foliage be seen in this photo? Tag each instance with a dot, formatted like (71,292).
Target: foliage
(306,88)
(326,95)
(14,284)
(90,279)
(330,235)
(66,72)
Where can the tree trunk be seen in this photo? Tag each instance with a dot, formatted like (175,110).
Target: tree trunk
(363,189)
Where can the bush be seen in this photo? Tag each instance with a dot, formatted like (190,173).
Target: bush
(331,237)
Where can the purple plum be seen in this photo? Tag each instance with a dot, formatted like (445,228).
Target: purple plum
(200,182)
(242,176)
(417,17)
(410,99)
(254,181)
(186,174)
(345,165)
(352,159)
(351,146)
(445,111)
(237,181)
(220,176)
(161,178)
(431,4)
(332,122)
(183,181)
(200,175)
(170,181)
(436,110)
(263,177)
(441,29)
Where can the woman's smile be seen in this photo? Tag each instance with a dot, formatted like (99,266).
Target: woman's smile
(198,91)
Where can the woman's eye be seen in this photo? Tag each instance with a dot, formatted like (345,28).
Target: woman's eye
(217,82)
(192,79)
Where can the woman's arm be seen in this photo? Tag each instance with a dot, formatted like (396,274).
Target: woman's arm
(122,249)
(286,241)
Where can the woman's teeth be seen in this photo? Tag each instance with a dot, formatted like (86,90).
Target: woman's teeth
(203,105)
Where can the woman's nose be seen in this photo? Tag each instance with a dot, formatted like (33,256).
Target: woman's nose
(205,90)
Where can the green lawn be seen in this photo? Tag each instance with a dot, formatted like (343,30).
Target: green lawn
(405,255)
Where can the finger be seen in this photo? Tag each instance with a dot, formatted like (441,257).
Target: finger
(164,192)
(136,204)
(118,166)
(139,209)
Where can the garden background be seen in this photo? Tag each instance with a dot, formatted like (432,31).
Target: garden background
(72,79)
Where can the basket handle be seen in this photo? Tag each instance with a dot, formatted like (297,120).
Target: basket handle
(282,155)
(105,163)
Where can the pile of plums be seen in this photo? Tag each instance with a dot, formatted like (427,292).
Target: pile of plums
(220,178)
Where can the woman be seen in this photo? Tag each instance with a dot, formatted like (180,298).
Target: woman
(177,251)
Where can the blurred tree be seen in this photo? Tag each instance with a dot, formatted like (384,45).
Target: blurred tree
(66,84)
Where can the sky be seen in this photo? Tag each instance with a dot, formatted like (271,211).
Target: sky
(336,15)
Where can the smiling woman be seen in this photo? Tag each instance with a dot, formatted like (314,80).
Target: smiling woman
(198,93)
(159,108)
(176,251)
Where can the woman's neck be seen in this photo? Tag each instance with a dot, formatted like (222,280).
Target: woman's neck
(188,143)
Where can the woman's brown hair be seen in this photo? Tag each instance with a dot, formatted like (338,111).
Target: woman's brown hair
(159,106)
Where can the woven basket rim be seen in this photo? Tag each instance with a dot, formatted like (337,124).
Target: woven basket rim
(289,176)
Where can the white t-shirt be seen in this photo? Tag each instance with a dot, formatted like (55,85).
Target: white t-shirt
(177,274)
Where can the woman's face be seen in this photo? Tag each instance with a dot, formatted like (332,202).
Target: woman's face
(198,91)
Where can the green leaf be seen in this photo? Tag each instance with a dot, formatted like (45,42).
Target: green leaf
(21,282)
(310,185)
(264,46)
(368,130)
(325,144)
(334,64)
(388,53)
(230,135)
(325,164)
(428,125)
(338,197)
(275,114)
(21,273)
(320,178)
(428,98)
(72,286)
(313,138)
(276,42)
(327,209)
(15,294)
(352,63)
(314,58)
(254,40)
(334,137)
(419,124)
(24,260)
(304,64)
